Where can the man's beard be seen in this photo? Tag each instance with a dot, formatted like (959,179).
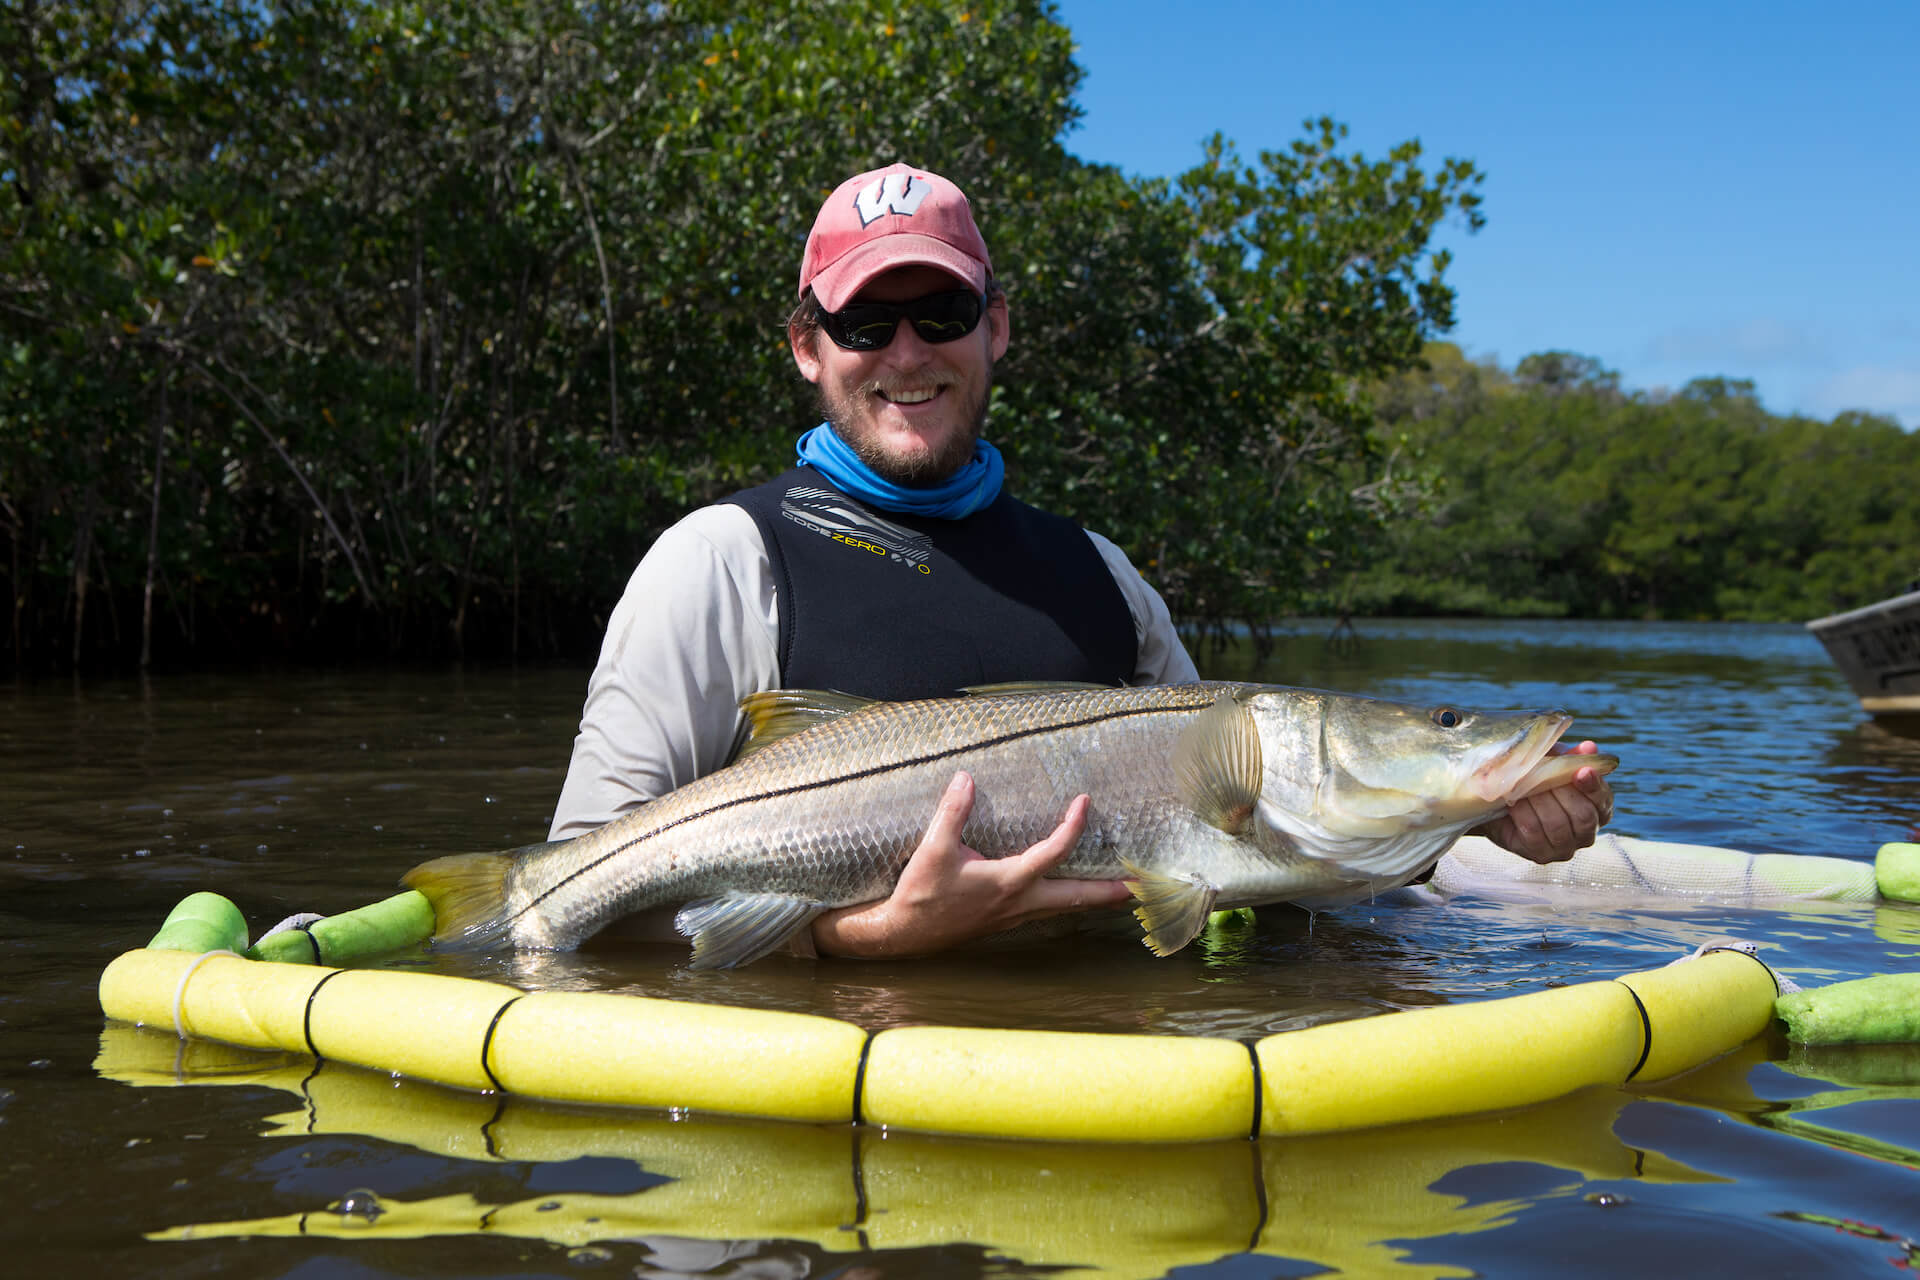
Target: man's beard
(915,473)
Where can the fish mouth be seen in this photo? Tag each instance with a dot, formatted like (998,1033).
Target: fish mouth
(1523,766)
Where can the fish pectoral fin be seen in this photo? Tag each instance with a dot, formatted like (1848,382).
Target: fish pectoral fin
(773,714)
(741,927)
(1217,765)
(1173,908)
(469,896)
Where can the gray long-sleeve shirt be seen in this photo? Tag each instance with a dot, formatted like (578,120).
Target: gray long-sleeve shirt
(696,630)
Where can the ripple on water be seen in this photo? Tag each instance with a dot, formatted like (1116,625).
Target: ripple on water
(1728,735)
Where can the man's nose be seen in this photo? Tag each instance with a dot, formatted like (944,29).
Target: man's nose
(908,350)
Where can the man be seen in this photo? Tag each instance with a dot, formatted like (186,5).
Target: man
(889,563)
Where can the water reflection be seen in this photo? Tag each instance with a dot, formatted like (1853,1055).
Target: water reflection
(1285,972)
(296,791)
(656,1192)
(1881,759)
(1347,1202)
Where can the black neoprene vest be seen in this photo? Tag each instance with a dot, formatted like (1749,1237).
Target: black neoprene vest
(898,606)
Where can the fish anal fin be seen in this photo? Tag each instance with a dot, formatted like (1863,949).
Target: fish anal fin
(773,714)
(739,928)
(1173,908)
(1216,763)
(469,896)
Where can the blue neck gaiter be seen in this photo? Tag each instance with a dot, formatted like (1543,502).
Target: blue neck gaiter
(968,490)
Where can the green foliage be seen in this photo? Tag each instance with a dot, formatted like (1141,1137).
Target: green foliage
(1200,389)
(1562,495)
(401,328)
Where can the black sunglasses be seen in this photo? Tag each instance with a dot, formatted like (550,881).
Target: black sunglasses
(869,326)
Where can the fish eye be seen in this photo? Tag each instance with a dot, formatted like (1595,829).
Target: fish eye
(1446,717)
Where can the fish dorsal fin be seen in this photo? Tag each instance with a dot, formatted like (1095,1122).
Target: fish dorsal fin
(773,714)
(1031,686)
(1216,763)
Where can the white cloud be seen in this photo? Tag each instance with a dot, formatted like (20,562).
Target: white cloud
(1875,388)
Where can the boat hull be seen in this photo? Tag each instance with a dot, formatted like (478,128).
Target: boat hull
(1877,648)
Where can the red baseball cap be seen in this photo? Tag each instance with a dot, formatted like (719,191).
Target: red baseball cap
(898,216)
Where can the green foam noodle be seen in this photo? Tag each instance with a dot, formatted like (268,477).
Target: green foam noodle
(1896,869)
(202,922)
(404,920)
(1878,1010)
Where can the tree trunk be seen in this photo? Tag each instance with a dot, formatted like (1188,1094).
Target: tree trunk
(153,528)
(82,554)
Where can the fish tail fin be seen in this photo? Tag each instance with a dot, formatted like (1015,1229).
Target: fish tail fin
(469,896)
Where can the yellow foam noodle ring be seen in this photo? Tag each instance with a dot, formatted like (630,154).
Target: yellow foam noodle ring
(1701,1008)
(1448,1061)
(150,1057)
(424,1025)
(220,997)
(1363,1203)
(343,1099)
(576,1047)
(730,1178)
(459,1214)
(1059,1085)
(568,1219)
(1118,1211)
(635,1051)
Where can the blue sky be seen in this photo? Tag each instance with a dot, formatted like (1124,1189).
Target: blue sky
(1680,190)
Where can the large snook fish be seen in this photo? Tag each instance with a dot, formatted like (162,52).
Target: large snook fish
(1204,796)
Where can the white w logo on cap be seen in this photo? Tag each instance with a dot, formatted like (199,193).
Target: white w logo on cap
(895,193)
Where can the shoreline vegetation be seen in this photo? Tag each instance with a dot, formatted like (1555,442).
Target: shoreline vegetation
(366,331)
(1553,493)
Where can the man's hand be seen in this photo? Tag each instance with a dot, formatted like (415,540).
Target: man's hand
(949,893)
(1552,826)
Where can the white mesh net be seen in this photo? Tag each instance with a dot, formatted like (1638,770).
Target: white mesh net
(1624,865)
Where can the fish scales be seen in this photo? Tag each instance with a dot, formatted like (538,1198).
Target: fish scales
(833,813)
(1202,796)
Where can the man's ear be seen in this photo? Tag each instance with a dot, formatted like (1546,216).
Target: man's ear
(803,344)
(999,324)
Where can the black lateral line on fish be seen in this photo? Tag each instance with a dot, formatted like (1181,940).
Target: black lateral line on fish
(874,771)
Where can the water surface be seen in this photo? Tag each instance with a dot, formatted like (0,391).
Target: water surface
(314,790)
